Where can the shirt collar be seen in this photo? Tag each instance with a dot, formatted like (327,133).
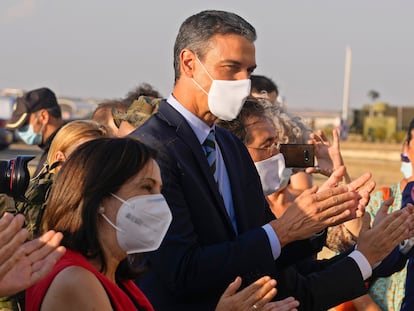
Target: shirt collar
(200,129)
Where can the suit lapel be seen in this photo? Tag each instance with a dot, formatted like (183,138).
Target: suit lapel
(242,217)
(185,133)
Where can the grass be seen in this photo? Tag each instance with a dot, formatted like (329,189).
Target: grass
(382,160)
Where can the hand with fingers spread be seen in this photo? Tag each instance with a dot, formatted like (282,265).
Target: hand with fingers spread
(313,211)
(256,296)
(328,155)
(29,262)
(12,236)
(362,186)
(387,232)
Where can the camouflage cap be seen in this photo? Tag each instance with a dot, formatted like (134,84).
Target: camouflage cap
(140,111)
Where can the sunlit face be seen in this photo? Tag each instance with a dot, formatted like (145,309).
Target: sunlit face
(147,181)
(229,57)
(262,138)
(37,121)
(408,148)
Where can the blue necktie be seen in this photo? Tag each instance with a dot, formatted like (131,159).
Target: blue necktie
(209,146)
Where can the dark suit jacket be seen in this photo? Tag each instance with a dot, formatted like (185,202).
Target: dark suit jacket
(201,254)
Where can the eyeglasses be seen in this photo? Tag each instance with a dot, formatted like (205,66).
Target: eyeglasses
(404,157)
(270,150)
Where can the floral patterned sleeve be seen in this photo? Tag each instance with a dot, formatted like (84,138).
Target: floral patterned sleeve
(377,198)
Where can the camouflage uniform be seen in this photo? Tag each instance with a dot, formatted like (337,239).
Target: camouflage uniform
(140,111)
(33,208)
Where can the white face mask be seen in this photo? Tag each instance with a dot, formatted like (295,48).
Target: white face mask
(226,97)
(406,169)
(141,222)
(273,174)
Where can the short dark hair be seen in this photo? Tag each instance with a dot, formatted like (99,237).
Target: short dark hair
(55,112)
(196,31)
(262,83)
(238,126)
(93,171)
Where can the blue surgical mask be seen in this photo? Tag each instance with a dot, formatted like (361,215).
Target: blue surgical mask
(29,136)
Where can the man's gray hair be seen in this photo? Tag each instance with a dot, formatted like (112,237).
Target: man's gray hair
(196,31)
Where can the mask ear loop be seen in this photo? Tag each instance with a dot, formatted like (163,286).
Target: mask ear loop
(199,61)
(101,212)
(199,86)
(117,197)
(205,70)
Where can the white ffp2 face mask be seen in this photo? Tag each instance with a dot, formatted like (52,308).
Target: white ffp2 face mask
(274,176)
(141,222)
(406,169)
(226,97)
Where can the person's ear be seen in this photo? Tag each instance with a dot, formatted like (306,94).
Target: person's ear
(187,61)
(43,116)
(59,157)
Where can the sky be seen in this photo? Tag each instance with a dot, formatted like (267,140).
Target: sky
(105,48)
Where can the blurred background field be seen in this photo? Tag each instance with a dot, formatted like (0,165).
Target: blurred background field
(382,160)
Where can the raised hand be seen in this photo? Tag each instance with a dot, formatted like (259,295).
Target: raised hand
(254,296)
(313,211)
(328,155)
(12,236)
(361,185)
(29,262)
(387,232)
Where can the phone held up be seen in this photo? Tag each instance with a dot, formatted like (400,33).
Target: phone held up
(298,155)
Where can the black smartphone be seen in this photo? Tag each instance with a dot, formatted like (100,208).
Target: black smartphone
(298,155)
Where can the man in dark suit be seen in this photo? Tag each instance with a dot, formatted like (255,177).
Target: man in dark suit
(222,226)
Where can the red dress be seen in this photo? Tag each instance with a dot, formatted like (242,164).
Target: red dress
(119,298)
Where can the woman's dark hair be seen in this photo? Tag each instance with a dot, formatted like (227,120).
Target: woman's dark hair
(93,171)
(262,83)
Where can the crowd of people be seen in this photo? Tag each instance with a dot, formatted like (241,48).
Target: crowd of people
(186,203)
